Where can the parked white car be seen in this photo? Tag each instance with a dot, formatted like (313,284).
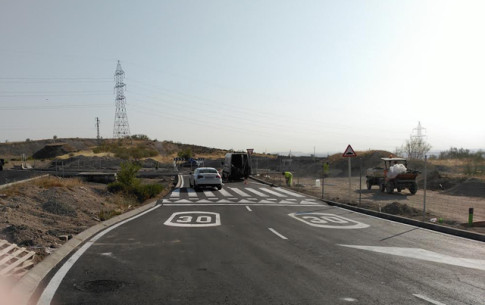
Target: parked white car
(205,177)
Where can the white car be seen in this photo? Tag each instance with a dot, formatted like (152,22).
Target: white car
(206,177)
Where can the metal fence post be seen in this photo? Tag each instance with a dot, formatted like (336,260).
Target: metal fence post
(425,178)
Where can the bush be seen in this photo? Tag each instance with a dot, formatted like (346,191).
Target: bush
(127,175)
(129,184)
(147,191)
(115,187)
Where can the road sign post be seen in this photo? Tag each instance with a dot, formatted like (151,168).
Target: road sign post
(349,153)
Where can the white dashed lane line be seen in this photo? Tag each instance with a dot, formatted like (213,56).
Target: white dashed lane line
(277,234)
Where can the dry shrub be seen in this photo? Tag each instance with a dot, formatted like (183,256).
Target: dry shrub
(50,182)
(13,190)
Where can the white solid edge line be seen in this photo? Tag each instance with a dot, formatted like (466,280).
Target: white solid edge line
(55,282)
(425,298)
(277,234)
(249,209)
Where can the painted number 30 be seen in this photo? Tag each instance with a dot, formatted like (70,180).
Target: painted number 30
(329,221)
(194,219)
(189,219)
(325,219)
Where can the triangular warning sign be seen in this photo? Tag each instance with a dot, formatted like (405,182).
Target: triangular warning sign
(349,152)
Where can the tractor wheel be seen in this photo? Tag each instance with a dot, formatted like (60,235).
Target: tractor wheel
(369,185)
(389,188)
(413,188)
(382,186)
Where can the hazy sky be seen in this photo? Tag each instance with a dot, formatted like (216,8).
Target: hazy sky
(269,75)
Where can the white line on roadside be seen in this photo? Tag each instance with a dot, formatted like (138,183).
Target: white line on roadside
(51,288)
(277,234)
(425,298)
(181,178)
(249,209)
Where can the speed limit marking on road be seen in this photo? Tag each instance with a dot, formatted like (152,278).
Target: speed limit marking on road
(329,221)
(194,219)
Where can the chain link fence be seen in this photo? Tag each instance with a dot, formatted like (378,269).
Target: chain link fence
(441,202)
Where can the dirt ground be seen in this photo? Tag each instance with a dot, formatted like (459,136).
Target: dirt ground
(43,214)
(450,207)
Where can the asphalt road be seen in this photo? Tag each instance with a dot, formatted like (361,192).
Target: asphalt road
(254,244)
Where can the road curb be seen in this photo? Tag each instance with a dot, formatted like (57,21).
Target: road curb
(417,223)
(409,221)
(27,285)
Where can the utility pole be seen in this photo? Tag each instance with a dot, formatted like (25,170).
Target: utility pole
(121,127)
(97,128)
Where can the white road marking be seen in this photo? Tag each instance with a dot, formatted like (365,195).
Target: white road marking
(203,201)
(273,193)
(425,255)
(265,201)
(183,201)
(192,193)
(51,288)
(225,193)
(226,203)
(425,298)
(175,193)
(256,192)
(309,202)
(194,219)
(277,234)
(349,299)
(328,221)
(249,209)
(239,192)
(288,192)
(244,201)
(209,193)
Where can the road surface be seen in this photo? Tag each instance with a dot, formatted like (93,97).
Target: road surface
(254,244)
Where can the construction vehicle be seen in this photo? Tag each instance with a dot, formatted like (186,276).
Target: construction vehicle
(394,176)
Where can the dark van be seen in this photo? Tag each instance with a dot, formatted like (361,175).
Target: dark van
(236,166)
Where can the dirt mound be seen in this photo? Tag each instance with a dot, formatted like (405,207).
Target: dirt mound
(15,149)
(372,158)
(472,187)
(396,208)
(53,150)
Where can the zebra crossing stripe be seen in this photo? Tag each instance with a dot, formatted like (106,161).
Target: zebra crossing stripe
(192,193)
(288,192)
(225,193)
(209,194)
(256,192)
(175,193)
(273,193)
(239,192)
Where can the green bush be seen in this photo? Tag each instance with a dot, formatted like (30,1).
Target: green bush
(115,187)
(147,191)
(129,184)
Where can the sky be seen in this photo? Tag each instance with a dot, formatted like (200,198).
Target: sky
(272,75)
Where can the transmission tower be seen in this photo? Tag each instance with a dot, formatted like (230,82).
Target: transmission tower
(121,127)
(419,132)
